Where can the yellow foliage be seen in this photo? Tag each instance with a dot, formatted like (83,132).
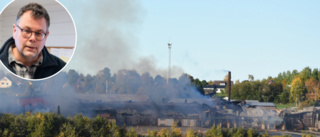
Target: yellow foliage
(41,117)
(164,132)
(297,89)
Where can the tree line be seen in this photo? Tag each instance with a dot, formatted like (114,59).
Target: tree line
(121,82)
(53,125)
(287,87)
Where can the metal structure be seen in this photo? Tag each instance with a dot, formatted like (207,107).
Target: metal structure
(169,63)
(229,85)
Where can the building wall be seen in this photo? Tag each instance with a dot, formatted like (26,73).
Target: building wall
(189,123)
(165,122)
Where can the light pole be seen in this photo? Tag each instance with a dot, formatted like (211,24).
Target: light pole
(169,63)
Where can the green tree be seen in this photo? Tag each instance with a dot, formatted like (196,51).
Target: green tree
(164,132)
(214,132)
(198,85)
(81,125)
(284,97)
(100,126)
(175,132)
(67,130)
(246,91)
(152,133)
(191,133)
(131,133)
(250,133)
(235,94)
(73,76)
(251,78)
(272,91)
(127,82)
(266,134)
(240,133)
(89,83)
(315,73)
(305,74)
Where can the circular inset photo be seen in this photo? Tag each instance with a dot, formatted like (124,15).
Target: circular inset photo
(37,37)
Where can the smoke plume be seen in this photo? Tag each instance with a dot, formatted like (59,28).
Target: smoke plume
(107,36)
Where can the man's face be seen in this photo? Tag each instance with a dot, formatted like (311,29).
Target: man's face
(29,48)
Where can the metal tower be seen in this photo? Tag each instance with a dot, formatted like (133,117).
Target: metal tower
(169,63)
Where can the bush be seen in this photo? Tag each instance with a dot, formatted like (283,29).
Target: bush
(214,132)
(131,133)
(50,124)
(306,103)
(152,133)
(67,130)
(164,132)
(192,133)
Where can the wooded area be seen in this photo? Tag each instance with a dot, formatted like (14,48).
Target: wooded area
(287,87)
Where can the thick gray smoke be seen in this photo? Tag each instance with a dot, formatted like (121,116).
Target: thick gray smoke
(107,37)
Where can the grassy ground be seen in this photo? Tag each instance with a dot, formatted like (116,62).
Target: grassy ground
(221,95)
(279,106)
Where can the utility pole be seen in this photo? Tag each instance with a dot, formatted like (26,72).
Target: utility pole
(169,63)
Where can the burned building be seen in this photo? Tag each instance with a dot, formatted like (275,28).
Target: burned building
(304,119)
(184,112)
(134,110)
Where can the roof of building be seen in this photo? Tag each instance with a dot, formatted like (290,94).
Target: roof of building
(207,101)
(6,78)
(214,86)
(261,104)
(112,97)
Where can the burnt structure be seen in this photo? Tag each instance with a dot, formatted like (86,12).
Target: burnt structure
(139,110)
(305,119)
(185,112)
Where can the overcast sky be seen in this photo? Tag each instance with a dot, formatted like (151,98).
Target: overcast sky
(261,38)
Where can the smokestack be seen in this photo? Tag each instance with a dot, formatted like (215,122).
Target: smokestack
(58,110)
(229,86)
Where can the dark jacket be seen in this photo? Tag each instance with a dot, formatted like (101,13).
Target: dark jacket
(50,64)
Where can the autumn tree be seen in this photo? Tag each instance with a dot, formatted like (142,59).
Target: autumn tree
(313,88)
(297,90)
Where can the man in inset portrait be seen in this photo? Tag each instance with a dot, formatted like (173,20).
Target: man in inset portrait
(25,53)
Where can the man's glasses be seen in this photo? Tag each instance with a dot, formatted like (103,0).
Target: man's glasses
(27,34)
